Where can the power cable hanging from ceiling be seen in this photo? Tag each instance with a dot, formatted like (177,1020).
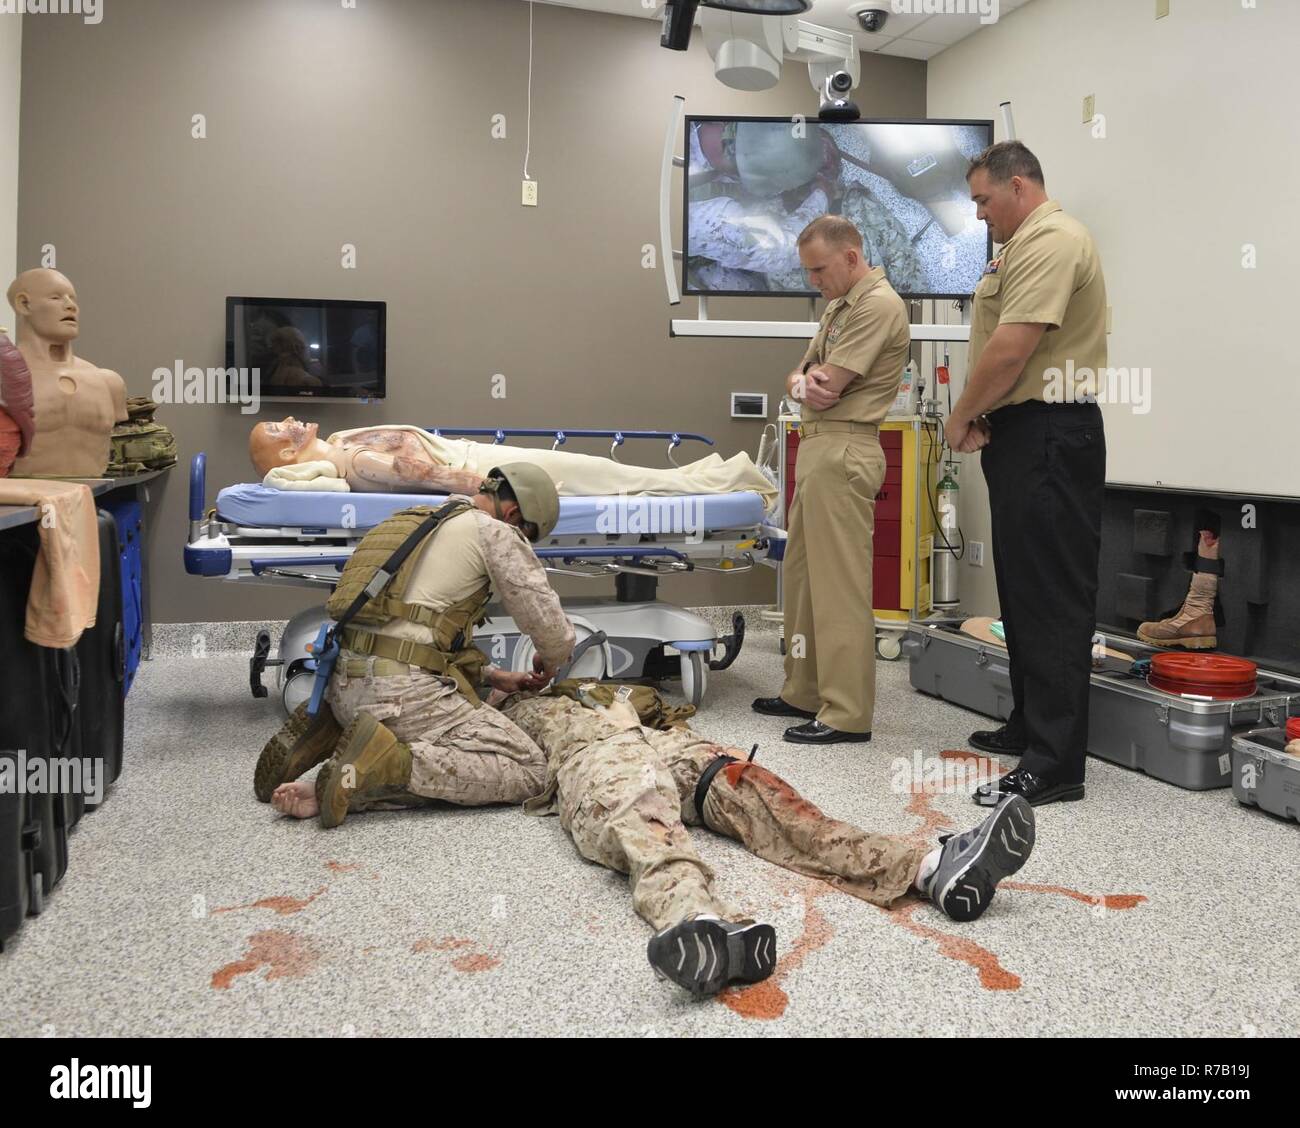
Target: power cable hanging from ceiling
(528,141)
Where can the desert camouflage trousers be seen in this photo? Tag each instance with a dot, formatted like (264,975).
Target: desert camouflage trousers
(626,794)
(459,754)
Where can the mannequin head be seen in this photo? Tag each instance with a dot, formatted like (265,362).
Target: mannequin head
(46,304)
(282,444)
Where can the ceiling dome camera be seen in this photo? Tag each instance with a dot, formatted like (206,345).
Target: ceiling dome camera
(873,17)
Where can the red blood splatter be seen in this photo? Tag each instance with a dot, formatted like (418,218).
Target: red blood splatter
(446,944)
(767,1000)
(932,821)
(340,867)
(993,976)
(964,756)
(282,906)
(284,955)
(1117,901)
(779,793)
(475,963)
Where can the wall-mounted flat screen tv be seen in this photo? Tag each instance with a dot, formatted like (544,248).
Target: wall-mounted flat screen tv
(752,184)
(309,347)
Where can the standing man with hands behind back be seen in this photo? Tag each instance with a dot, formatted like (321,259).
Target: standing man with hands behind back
(1038,338)
(847,381)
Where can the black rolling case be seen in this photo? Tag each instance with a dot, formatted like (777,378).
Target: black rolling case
(100,654)
(33,828)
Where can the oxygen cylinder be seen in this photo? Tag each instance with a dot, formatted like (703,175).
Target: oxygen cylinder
(943,561)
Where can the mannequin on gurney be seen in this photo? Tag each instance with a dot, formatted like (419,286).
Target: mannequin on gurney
(404,459)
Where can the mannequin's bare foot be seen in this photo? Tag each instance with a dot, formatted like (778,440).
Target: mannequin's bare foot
(297,799)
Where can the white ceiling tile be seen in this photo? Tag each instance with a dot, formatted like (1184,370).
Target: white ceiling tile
(947,30)
(910,48)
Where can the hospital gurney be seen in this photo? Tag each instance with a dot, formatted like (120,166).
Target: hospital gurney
(258,535)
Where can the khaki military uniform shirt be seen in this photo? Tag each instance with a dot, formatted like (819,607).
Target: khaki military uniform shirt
(473,548)
(867,332)
(1049,273)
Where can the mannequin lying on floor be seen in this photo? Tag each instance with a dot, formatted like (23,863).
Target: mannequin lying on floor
(402,459)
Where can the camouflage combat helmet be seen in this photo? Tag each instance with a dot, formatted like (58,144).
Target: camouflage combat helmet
(772,160)
(539,503)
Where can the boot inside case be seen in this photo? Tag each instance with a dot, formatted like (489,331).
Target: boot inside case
(1264,775)
(1148,556)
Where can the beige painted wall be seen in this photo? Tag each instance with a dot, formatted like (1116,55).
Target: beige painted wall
(372,126)
(11,50)
(1197,163)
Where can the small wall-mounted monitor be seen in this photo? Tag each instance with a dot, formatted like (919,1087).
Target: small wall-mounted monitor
(752,184)
(309,347)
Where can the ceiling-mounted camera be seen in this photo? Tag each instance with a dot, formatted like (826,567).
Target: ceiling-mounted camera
(872,18)
(835,102)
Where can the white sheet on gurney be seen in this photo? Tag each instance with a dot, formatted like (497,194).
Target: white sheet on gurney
(252,504)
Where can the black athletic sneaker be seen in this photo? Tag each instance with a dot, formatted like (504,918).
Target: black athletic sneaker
(973,863)
(705,954)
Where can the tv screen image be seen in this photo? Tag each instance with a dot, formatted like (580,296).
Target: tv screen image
(753,184)
(308,347)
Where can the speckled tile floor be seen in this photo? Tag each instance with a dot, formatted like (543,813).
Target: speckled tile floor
(189,908)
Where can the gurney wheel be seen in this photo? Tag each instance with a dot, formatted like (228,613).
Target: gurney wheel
(889,647)
(297,689)
(695,675)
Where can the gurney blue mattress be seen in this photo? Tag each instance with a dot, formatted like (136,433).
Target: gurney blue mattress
(255,505)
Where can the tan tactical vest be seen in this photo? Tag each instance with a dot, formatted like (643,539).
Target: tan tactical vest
(450,651)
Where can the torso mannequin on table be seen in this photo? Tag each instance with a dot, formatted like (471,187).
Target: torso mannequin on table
(76,403)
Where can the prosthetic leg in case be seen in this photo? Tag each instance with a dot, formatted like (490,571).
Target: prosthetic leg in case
(1182,738)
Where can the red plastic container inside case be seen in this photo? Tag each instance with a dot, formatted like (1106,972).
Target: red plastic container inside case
(1293,728)
(1203,675)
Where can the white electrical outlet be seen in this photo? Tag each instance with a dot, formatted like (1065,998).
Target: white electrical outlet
(975,553)
(530,193)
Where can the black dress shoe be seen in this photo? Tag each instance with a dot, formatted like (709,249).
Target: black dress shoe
(814,732)
(1035,788)
(779,707)
(998,742)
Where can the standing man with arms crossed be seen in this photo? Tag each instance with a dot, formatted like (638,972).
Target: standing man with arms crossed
(847,381)
(1039,318)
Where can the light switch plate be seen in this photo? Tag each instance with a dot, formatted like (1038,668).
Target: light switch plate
(1162,9)
(1089,108)
(975,553)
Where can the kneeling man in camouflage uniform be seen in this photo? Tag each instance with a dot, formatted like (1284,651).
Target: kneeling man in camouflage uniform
(402,722)
(627,776)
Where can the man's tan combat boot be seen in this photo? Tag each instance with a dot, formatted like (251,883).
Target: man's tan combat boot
(369,761)
(301,744)
(1193,627)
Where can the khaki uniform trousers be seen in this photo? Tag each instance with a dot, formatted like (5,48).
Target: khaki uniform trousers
(830,628)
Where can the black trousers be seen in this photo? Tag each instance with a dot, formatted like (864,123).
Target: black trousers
(1046,471)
